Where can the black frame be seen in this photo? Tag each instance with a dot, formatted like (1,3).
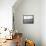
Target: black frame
(28,21)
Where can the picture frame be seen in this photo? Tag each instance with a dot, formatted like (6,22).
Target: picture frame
(28,19)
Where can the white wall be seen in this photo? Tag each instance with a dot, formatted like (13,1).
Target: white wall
(43,22)
(6,13)
(31,31)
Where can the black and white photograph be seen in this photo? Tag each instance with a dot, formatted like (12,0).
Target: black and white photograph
(28,19)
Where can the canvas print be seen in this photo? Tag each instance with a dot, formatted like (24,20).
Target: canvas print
(28,19)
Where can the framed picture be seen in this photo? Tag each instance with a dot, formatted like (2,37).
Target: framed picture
(28,19)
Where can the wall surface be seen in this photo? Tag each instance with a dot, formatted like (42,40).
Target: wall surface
(30,31)
(43,22)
